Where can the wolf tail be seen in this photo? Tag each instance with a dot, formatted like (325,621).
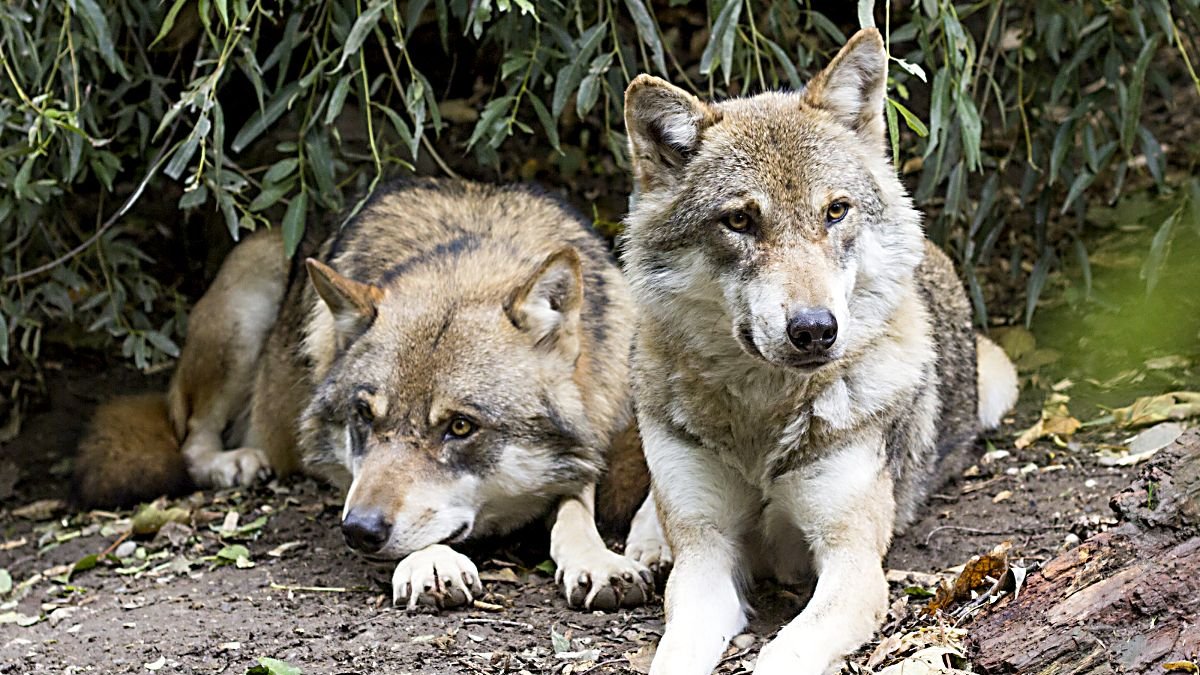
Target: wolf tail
(996,381)
(130,454)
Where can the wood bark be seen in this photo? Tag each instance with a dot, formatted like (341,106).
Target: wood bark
(1127,600)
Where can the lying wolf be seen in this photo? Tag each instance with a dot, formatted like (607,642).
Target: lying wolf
(459,362)
(803,357)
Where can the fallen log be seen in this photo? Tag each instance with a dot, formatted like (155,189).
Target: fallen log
(1126,600)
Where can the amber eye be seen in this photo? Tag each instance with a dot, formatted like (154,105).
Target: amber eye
(364,412)
(836,212)
(738,221)
(460,427)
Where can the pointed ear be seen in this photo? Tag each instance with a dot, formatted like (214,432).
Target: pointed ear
(853,85)
(353,303)
(665,124)
(548,304)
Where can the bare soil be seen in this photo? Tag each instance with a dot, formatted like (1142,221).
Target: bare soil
(309,601)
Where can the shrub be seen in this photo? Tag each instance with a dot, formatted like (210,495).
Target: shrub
(1010,118)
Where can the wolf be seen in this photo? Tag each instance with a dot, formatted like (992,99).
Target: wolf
(456,357)
(802,359)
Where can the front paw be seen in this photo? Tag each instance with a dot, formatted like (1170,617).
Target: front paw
(242,466)
(651,550)
(603,580)
(778,659)
(437,576)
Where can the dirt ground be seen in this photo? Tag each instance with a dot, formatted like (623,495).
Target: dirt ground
(169,602)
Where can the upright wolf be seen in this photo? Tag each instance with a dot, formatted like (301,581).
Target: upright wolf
(803,357)
(459,363)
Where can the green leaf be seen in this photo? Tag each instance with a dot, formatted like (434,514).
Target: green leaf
(972,131)
(918,592)
(3,339)
(85,563)
(893,133)
(1137,84)
(569,75)
(169,21)
(719,50)
(97,25)
(547,121)
(163,343)
(866,13)
(338,99)
(293,223)
(281,169)
(647,32)
(782,58)
(269,666)
(262,119)
(1037,281)
(910,119)
(5,578)
(1159,246)
(360,30)
(546,566)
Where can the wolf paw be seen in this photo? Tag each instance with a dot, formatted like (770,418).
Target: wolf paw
(436,576)
(650,548)
(777,659)
(605,580)
(243,466)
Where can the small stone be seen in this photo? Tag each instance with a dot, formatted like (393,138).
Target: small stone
(1090,483)
(126,549)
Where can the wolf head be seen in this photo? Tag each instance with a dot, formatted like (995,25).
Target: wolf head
(451,399)
(778,216)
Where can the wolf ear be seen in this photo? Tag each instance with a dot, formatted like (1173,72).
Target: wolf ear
(853,85)
(548,304)
(353,303)
(665,124)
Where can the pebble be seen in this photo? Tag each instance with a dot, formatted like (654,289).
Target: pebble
(1089,483)
(126,549)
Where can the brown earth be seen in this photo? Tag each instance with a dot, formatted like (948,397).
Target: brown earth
(182,613)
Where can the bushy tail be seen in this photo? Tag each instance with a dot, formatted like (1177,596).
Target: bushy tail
(129,454)
(997,382)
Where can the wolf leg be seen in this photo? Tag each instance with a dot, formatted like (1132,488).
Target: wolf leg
(705,507)
(436,576)
(592,576)
(647,543)
(845,507)
(212,385)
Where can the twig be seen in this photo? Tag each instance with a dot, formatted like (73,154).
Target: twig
(311,589)
(470,621)
(610,662)
(974,530)
(112,547)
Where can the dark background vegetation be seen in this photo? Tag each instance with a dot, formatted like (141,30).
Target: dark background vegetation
(1051,144)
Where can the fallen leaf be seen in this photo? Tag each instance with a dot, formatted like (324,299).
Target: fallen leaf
(992,564)
(504,575)
(560,642)
(1002,496)
(269,666)
(1172,362)
(156,664)
(1056,421)
(42,509)
(279,550)
(640,659)
(150,519)
(1176,405)
(1155,438)
(929,661)
(5,581)
(1181,667)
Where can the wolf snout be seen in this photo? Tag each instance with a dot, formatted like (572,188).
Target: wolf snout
(366,530)
(812,331)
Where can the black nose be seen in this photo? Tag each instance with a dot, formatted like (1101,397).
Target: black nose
(365,530)
(812,331)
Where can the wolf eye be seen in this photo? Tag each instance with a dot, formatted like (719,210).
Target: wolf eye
(836,212)
(364,412)
(460,427)
(738,221)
